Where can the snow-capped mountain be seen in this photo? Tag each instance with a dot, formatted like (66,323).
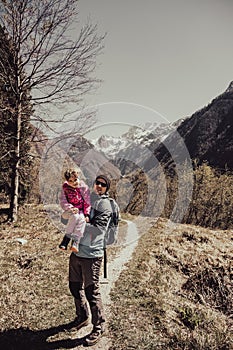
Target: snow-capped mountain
(144,135)
(110,145)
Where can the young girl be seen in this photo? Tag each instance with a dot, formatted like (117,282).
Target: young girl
(75,201)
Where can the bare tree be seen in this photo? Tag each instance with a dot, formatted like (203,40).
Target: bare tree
(51,60)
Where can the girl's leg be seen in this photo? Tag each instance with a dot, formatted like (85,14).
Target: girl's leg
(71,224)
(78,231)
(79,227)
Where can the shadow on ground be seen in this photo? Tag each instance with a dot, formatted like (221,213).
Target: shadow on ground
(4,213)
(26,339)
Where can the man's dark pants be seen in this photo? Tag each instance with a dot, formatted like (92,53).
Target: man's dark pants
(84,286)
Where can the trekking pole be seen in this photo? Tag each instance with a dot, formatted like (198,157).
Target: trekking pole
(105,263)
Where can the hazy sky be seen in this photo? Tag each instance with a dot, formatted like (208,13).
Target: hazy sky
(170,56)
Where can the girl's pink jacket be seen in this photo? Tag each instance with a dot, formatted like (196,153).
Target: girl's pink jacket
(76,197)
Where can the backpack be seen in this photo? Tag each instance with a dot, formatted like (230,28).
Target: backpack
(113,223)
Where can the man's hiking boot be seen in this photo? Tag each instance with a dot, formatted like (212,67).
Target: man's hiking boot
(80,322)
(93,337)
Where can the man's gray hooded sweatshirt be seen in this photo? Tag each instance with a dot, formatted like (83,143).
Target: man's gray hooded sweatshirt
(92,243)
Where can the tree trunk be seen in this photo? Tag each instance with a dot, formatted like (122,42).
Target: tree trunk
(14,202)
(13,212)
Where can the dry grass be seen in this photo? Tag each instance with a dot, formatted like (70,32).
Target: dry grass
(37,307)
(35,299)
(177,291)
(175,294)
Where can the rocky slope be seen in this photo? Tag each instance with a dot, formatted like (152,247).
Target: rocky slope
(207,134)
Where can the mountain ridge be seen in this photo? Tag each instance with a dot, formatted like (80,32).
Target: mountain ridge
(207,134)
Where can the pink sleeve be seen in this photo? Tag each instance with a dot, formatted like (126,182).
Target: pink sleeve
(63,200)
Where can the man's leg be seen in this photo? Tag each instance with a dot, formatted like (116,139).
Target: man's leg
(76,288)
(92,291)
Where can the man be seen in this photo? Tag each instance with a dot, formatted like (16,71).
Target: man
(84,266)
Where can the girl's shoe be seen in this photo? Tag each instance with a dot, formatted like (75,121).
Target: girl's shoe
(74,247)
(64,243)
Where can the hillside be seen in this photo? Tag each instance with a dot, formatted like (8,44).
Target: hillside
(55,156)
(197,158)
(175,293)
(207,134)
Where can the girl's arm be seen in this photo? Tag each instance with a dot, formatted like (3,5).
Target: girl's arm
(64,202)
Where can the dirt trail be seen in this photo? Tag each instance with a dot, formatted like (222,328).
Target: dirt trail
(116,266)
(114,269)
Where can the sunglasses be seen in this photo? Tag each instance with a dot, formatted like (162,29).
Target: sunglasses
(99,183)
